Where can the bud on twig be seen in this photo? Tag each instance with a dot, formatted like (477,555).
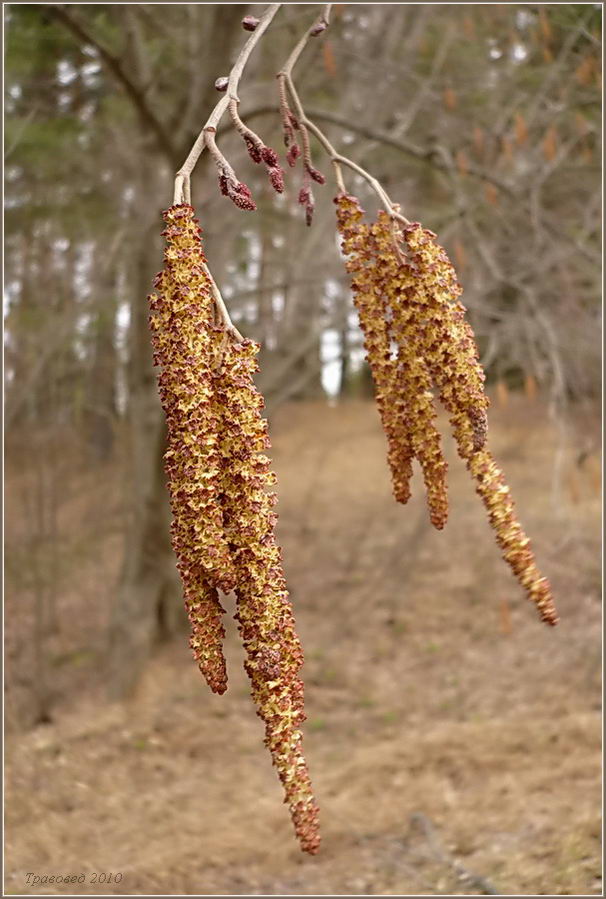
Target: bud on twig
(317,29)
(306,199)
(221,84)
(317,176)
(249,23)
(293,153)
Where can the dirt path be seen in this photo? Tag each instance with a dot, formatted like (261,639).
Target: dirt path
(450,735)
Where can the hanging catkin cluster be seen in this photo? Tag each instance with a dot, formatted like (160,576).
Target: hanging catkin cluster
(223,519)
(417,340)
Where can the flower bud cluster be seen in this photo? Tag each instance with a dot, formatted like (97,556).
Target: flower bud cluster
(257,150)
(406,292)
(306,199)
(238,192)
(223,518)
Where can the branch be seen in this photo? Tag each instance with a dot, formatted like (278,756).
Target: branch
(430,157)
(285,79)
(222,308)
(182,178)
(405,146)
(114,64)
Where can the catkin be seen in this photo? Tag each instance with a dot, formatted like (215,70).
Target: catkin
(223,518)
(264,614)
(181,319)
(407,293)
(401,377)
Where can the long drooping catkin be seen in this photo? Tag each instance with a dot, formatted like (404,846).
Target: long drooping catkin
(372,315)
(412,379)
(446,338)
(181,319)
(223,519)
(403,385)
(496,496)
(264,613)
(407,278)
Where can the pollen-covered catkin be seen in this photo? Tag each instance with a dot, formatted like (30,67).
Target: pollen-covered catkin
(513,541)
(181,321)
(412,378)
(403,385)
(448,342)
(404,276)
(264,614)
(223,519)
(372,315)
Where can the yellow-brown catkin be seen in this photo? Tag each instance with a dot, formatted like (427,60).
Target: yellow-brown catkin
(450,348)
(419,296)
(448,343)
(403,385)
(264,614)
(181,319)
(496,496)
(372,314)
(413,379)
(223,519)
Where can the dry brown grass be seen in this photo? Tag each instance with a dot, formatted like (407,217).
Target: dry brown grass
(432,691)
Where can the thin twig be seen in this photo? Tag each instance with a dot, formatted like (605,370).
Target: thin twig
(247,133)
(222,308)
(183,175)
(285,79)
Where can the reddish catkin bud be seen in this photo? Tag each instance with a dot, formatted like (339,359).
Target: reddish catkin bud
(255,151)
(237,192)
(258,152)
(317,176)
(304,196)
(221,84)
(294,151)
(306,199)
(269,157)
(223,184)
(276,177)
(249,23)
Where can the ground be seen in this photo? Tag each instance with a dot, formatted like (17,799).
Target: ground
(453,739)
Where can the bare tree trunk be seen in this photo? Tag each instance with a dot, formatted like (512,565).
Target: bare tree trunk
(102,391)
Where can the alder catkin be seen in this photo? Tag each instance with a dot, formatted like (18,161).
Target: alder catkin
(181,320)
(403,385)
(223,518)
(407,294)
(264,614)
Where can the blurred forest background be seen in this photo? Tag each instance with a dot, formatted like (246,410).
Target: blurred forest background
(483,121)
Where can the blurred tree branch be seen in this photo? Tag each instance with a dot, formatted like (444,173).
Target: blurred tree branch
(136,92)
